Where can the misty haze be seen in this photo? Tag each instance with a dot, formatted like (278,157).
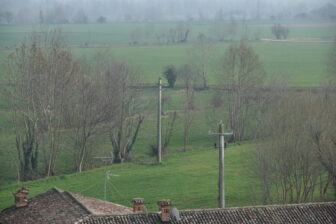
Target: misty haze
(167,111)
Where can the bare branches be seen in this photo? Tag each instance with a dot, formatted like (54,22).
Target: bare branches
(241,71)
(293,161)
(125,124)
(41,72)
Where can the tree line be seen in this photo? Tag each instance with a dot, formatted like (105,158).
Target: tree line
(57,100)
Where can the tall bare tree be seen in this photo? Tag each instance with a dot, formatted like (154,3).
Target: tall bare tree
(42,71)
(200,56)
(88,112)
(127,117)
(186,73)
(243,74)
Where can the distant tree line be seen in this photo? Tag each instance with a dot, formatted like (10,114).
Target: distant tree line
(60,12)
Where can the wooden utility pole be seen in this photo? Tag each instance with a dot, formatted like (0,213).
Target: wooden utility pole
(221,191)
(159,122)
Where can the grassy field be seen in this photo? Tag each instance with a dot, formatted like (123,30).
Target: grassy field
(188,179)
(120,33)
(302,64)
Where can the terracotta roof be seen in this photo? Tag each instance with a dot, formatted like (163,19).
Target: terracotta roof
(58,206)
(53,206)
(293,213)
(100,207)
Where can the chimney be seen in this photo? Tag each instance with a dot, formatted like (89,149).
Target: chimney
(21,197)
(164,206)
(138,205)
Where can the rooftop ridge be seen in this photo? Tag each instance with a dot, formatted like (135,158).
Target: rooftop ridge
(263,206)
(78,202)
(230,208)
(97,199)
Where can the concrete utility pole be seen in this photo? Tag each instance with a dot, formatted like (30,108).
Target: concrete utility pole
(159,122)
(221,191)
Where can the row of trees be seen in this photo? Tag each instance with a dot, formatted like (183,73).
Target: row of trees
(53,95)
(222,31)
(178,34)
(176,10)
(57,15)
(296,151)
(297,158)
(298,155)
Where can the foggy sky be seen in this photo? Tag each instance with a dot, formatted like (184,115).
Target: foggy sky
(163,9)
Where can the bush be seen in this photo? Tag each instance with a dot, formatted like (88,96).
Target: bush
(279,31)
(170,74)
(101,19)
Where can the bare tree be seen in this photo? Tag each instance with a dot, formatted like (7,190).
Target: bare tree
(200,55)
(243,74)
(291,162)
(127,118)
(24,112)
(42,71)
(182,33)
(167,134)
(322,122)
(169,131)
(88,112)
(187,75)
(331,63)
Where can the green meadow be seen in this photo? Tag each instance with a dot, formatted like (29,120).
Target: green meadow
(189,179)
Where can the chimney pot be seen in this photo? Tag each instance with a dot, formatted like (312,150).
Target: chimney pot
(138,205)
(21,197)
(165,207)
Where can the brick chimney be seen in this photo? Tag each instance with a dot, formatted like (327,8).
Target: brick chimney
(21,197)
(164,207)
(138,205)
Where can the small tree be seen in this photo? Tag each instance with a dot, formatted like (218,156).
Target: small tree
(170,74)
(279,31)
(101,19)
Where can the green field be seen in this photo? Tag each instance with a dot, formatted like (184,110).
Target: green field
(303,64)
(120,33)
(189,179)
